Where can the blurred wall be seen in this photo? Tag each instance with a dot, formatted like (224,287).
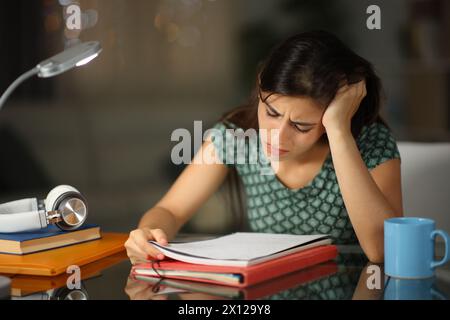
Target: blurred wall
(105,128)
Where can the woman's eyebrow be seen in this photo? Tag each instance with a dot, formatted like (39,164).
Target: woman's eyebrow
(272,108)
(304,123)
(300,123)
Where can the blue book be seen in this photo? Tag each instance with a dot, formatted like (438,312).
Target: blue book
(45,239)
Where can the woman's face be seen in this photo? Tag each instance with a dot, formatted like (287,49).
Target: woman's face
(291,126)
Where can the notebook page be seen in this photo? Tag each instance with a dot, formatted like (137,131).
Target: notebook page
(240,245)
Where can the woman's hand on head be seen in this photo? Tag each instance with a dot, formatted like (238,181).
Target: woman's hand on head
(341,110)
(139,249)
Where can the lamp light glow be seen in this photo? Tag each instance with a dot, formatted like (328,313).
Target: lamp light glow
(87,60)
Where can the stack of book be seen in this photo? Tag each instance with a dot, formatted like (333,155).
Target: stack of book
(45,239)
(240,259)
(50,251)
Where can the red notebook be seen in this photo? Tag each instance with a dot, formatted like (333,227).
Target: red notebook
(237,276)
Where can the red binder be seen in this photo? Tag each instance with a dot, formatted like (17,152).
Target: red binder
(252,274)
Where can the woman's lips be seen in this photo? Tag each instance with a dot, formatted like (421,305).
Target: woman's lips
(275,151)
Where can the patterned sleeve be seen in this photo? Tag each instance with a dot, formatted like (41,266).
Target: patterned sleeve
(377,145)
(222,141)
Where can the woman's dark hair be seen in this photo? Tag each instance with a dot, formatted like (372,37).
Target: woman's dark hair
(312,64)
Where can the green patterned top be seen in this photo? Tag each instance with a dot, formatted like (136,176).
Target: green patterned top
(317,208)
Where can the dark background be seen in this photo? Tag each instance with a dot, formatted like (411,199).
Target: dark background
(105,128)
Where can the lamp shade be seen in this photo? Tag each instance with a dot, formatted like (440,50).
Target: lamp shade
(73,57)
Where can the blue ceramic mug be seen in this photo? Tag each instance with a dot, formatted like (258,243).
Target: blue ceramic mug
(409,248)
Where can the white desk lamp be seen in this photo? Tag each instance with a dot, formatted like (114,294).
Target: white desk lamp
(75,56)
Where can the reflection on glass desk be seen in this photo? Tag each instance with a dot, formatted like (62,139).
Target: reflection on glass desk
(345,278)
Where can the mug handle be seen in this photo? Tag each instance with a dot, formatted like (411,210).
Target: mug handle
(443,234)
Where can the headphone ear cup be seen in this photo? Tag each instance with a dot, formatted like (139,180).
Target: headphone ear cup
(54,195)
(70,203)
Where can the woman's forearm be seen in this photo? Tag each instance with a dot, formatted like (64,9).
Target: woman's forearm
(160,218)
(366,205)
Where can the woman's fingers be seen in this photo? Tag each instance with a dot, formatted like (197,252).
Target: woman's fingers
(138,247)
(160,236)
(136,254)
(145,246)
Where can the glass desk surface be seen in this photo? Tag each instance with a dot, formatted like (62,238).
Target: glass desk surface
(348,277)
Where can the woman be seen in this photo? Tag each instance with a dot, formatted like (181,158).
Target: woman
(335,163)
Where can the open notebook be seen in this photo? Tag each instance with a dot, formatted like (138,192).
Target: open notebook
(241,249)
